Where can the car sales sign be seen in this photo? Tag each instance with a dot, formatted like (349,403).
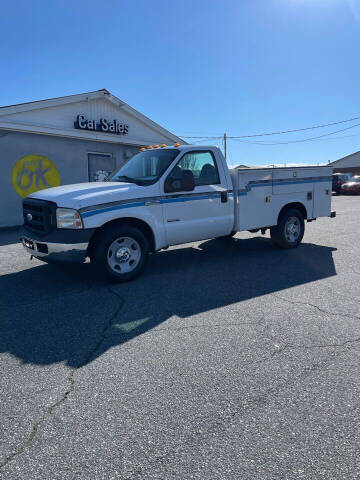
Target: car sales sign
(103,125)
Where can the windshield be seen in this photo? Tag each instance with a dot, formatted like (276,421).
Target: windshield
(145,167)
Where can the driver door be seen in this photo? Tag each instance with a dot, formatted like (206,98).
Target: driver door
(207,210)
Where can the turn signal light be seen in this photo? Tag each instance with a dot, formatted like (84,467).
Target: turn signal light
(163,145)
(142,149)
(176,144)
(156,146)
(149,147)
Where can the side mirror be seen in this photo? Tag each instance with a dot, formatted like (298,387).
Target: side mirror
(185,183)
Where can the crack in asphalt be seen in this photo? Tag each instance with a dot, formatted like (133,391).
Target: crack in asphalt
(71,385)
(260,400)
(266,327)
(257,401)
(322,310)
(37,424)
(289,346)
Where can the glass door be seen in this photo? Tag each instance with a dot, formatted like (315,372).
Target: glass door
(100,166)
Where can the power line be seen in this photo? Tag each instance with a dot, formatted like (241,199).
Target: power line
(205,139)
(301,129)
(277,133)
(297,141)
(335,138)
(184,136)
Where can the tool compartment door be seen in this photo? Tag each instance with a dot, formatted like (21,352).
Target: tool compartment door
(293,180)
(322,193)
(310,186)
(254,194)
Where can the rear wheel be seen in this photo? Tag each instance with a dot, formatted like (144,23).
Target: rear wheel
(121,253)
(289,232)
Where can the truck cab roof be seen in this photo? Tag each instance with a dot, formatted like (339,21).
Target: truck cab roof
(192,147)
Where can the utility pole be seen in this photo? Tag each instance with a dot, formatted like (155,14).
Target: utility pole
(224,145)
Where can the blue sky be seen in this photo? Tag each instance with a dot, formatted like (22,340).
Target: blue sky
(198,67)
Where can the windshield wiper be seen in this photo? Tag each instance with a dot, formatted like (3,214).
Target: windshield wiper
(138,181)
(144,182)
(125,178)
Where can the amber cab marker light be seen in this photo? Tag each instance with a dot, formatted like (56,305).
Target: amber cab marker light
(142,149)
(156,146)
(163,145)
(149,147)
(176,144)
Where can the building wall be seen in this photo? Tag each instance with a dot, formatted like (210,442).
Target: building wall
(69,156)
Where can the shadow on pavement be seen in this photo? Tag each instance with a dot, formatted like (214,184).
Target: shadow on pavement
(9,235)
(55,314)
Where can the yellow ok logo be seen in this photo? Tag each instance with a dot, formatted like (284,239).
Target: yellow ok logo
(32,173)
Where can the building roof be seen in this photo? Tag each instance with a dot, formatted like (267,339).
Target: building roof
(104,90)
(348,157)
(31,117)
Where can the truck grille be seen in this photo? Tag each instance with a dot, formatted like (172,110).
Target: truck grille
(39,215)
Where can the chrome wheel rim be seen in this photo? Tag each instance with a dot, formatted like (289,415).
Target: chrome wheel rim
(124,255)
(292,229)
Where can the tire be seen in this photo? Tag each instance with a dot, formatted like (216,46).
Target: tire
(289,232)
(120,253)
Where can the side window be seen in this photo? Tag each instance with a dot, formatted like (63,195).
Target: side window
(201,164)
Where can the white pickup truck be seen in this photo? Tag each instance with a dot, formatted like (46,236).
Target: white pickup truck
(167,196)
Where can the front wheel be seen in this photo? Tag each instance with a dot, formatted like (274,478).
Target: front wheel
(289,232)
(121,253)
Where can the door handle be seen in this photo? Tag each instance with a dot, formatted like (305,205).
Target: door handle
(224,197)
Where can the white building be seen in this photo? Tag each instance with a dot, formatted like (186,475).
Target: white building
(77,138)
(348,164)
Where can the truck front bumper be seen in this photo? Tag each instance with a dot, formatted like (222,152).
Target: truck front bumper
(58,246)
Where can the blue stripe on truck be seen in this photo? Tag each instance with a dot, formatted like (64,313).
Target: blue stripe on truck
(188,198)
(115,207)
(182,198)
(249,186)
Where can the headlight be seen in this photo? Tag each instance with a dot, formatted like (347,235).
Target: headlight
(68,218)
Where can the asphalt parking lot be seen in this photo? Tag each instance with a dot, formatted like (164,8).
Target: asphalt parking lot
(227,359)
